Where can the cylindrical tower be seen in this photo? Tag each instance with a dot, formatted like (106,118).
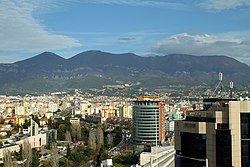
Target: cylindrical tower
(148,120)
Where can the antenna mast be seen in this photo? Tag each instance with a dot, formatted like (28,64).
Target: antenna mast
(220,89)
(231,86)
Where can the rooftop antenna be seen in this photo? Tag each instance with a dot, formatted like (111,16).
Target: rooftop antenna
(220,89)
(231,86)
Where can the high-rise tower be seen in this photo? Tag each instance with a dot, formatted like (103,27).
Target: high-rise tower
(148,120)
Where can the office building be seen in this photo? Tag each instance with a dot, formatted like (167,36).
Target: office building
(148,121)
(217,136)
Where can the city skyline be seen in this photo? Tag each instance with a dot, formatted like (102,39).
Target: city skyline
(143,27)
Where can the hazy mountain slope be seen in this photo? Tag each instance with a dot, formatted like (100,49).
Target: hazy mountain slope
(48,71)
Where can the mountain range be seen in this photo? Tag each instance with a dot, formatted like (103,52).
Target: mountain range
(93,69)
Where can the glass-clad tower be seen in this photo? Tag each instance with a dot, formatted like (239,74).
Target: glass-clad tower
(148,120)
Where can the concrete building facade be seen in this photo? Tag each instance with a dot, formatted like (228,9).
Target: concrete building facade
(217,136)
(159,156)
(125,111)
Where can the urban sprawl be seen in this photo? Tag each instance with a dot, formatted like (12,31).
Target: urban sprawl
(151,129)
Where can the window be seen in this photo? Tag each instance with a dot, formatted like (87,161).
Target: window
(193,145)
(245,136)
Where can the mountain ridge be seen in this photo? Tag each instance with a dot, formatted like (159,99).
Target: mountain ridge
(96,68)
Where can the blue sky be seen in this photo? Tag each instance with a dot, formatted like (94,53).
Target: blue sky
(144,27)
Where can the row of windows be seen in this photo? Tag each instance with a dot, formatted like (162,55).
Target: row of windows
(245,136)
(145,122)
(146,113)
(142,120)
(152,120)
(200,119)
(146,103)
(144,138)
(245,125)
(147,128)
(146,134)
(147,116)
(146,108)
(147,131)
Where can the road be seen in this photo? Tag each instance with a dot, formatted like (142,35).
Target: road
(125,139)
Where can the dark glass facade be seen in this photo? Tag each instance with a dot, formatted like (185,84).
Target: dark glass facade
(193,145)
(223,149)
(187,162)
(200,119)
(245,139)
(193,150)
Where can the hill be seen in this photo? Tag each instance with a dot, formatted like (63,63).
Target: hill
(93,69)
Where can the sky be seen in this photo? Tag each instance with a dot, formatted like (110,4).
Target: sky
(143,27)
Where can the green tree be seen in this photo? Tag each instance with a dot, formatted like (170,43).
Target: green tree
(1,120)
(126,160)
(8,161)
(35,160)
(117,135)
(68,151)
(85,134)
(26,124)
(68,136)
(8,134)
(54,162)
(76,132)
(27,154)
(99,137)
(50,124)
(65,162)
(88,151)
(61,132)
(92,139)
(103,154)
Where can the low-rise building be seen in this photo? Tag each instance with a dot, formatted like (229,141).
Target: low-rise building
(159,156)
(10,148)
(36,141)
(107,163)
(125,111)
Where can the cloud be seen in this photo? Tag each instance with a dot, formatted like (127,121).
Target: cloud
(21,31)
(230,44)
(145,3)
(219,5)
(125,39)
(142,3)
